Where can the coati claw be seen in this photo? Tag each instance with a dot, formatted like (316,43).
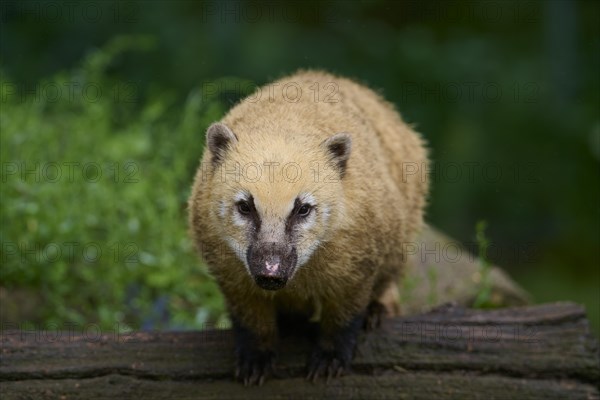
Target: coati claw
(253,367)
(328,364)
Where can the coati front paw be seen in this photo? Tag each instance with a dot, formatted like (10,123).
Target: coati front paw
(332,353)
(254,366)
(328,363)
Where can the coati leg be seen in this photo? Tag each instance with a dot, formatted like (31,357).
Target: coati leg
(334,349)
(387,305)
(335,344)
(255,341)
(374,315)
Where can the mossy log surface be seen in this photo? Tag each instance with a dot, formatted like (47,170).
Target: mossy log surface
(534,352)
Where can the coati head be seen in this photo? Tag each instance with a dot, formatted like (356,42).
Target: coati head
(276,199)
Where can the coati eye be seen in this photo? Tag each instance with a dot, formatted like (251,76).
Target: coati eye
(244,207)
(304,210)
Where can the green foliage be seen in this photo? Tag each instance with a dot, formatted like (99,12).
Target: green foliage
(484,291)
(408,285)
(93,212)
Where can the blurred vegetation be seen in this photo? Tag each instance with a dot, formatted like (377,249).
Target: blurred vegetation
(98,189)
(482,300)
(507,94)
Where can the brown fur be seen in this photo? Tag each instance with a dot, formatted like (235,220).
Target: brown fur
(374,208)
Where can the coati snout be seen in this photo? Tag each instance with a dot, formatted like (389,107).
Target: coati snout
(271,264)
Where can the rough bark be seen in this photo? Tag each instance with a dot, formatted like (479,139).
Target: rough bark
(535,352)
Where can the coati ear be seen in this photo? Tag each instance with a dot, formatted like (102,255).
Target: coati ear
(339,147)
(219,138)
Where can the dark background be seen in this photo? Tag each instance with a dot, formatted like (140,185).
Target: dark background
(507,94)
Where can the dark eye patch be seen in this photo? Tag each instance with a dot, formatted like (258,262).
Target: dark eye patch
(247,209)
(300,211)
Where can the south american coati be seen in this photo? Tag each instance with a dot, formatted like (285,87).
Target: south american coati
(306,195)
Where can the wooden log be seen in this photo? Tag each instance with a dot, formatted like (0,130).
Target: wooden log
(534,352)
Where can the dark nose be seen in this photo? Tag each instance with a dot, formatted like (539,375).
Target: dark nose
(270,264)
(270,276)
(270,282)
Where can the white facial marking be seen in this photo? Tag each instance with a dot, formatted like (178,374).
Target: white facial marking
(308,198)
(309,221)
(304,256)
(257,204)
(325,213)
(238,220)
(239,252)
(239,196)
(222,209)
(290,207)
